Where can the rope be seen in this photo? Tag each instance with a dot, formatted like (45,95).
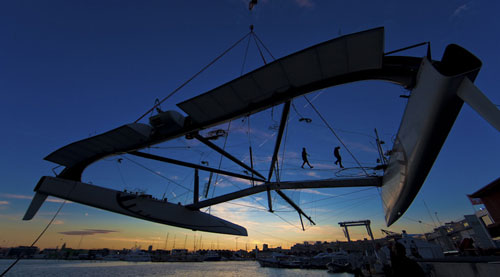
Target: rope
(194,76)
(36,240)
(248,206)
(335,134)
(418,221)
(263,45)
(260,51)
(220,160)
(251,196)
(335,196)
(291,224)
(158,174)
(342,171)
(295,109)
(364,201)
(245,57)
(121,174)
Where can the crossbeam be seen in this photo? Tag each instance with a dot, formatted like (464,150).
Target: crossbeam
(227,155)
(327,183)
(284,117)
(181,163)
(295,206)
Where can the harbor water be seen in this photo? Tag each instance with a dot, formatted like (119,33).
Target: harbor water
(35,268)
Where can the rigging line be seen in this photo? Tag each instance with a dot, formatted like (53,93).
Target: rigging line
(342,211)
(220,160)
(296,111)
(263,45)
(245,57)
(336,203)
(345,204)
(194,76)
(335,196)
(315,97)
(178,196)
(305,106)
(251,196)
(271,236)
(39,236)
(287,221)
(418,221)
(335,134)
(248,206)
(346,131)
(260,51)
(158,174)
(121,175)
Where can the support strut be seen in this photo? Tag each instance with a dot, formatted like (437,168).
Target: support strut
(227,155)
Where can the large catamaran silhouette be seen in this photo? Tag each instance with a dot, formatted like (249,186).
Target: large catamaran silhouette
(438,91)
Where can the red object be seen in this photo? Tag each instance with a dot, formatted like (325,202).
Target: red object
(475,201)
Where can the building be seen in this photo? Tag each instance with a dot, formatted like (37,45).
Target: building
(450,235)
(490,197)
(23,251)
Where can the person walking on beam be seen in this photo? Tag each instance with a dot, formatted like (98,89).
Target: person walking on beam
(336,153)
(304,158)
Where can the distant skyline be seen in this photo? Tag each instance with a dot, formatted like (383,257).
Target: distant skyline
(75,69)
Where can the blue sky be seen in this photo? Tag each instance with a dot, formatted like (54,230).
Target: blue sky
(74,69)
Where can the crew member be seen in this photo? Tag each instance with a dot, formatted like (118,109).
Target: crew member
(304,158)
(336,153)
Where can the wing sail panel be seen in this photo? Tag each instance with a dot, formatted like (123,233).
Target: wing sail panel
(336,57)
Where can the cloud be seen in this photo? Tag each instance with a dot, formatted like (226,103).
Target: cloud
(4,202)
(460,10)
(29,197)
(313,191)
(229,181)
(312,174)
(58,222)
(255,132)
(16,196)
(305,3)
(236,211)
(87,232)
(57,200)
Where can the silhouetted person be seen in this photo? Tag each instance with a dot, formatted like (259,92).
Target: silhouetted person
(336,153)
(402,265)
(304,158)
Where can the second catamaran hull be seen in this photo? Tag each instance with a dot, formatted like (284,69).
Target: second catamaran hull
(130,204)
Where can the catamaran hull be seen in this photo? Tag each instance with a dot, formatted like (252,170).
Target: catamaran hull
(130,204)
